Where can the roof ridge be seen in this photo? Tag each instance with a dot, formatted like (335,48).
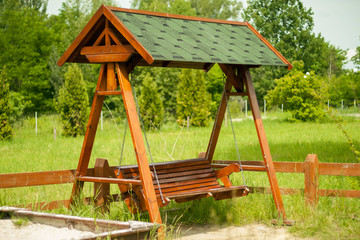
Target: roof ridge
(177,16)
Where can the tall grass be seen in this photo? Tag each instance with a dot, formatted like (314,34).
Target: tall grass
(289,141)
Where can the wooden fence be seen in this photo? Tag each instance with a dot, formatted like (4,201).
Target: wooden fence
(311,168)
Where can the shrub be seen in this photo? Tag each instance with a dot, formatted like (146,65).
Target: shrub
(6,131)
(73,103)
(302,94)
(193,100)
(151,106)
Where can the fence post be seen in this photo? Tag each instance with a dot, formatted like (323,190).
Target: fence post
(101,120)
(102,190)
(36,123)
(245,108)
(264,108)
(311,168)
(342,104)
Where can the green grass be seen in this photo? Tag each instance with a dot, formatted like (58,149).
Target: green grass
(289,141)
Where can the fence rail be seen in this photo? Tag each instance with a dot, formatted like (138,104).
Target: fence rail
(311,168)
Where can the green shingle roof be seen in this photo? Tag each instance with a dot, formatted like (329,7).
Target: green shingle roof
(173,39)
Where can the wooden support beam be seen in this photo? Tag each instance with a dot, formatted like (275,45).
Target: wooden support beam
(110,77)
(102,190)
(139,146)
(128,182)
(233,77)
(218,122)
(105,58)
(112,49)
(108,93)
(311,179)
(245,74)
(236,94)
(89,134)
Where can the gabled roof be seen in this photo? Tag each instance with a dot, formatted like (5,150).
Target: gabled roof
(170,40)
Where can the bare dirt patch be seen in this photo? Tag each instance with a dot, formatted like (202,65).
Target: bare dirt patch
(253,231)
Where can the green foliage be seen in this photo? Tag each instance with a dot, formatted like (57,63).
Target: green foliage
(300,93)
(346,87)
(73,103)
(6,131)
(214,80)
(193,100)
(150,103)
(165,80)
(288,25)
(219,9)
(25,43)
(356,58)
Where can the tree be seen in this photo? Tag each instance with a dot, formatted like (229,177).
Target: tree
(25,43)
(193,100)
(214,80)
(150,103)
(302,94)
(73,102)
(356,58)
(288,26)
(6,131)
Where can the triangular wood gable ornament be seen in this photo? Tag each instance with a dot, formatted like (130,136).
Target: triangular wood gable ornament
(121,39)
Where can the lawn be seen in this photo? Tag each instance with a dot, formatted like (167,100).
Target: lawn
(289,141)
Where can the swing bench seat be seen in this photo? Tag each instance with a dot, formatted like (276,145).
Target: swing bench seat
(182,181)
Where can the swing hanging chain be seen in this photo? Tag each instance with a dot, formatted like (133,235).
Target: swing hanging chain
(123,144)
(233,131)
(122,148)
(146,140)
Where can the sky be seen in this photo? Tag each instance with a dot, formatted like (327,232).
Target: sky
(337,21)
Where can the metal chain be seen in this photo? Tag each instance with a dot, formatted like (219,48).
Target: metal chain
(122,147)
(147,142)
(233,131)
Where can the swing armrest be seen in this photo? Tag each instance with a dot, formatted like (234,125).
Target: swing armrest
(226,171)
(223,174)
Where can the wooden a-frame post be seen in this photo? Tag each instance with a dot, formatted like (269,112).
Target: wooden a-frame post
(238,79)
(107,83)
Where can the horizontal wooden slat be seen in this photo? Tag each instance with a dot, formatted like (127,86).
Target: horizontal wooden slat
(339,169)
(185,183)
(109,180)
(134,172)
(205,175)
(191,174)
(105,58)
(26,179)
(107,93)
(339,193)
(284,191)
(236,93)
(244,167)
(166,165)
(286,167)
(107,49)
(187,187)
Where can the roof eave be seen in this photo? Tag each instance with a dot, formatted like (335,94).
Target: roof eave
(104,11)
(277,53)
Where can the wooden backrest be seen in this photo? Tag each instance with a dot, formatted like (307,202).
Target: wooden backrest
(178,177)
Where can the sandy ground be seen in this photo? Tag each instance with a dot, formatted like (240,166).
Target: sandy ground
(35,231)
(253,231)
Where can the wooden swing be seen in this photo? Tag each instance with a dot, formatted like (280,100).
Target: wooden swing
(121,39)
